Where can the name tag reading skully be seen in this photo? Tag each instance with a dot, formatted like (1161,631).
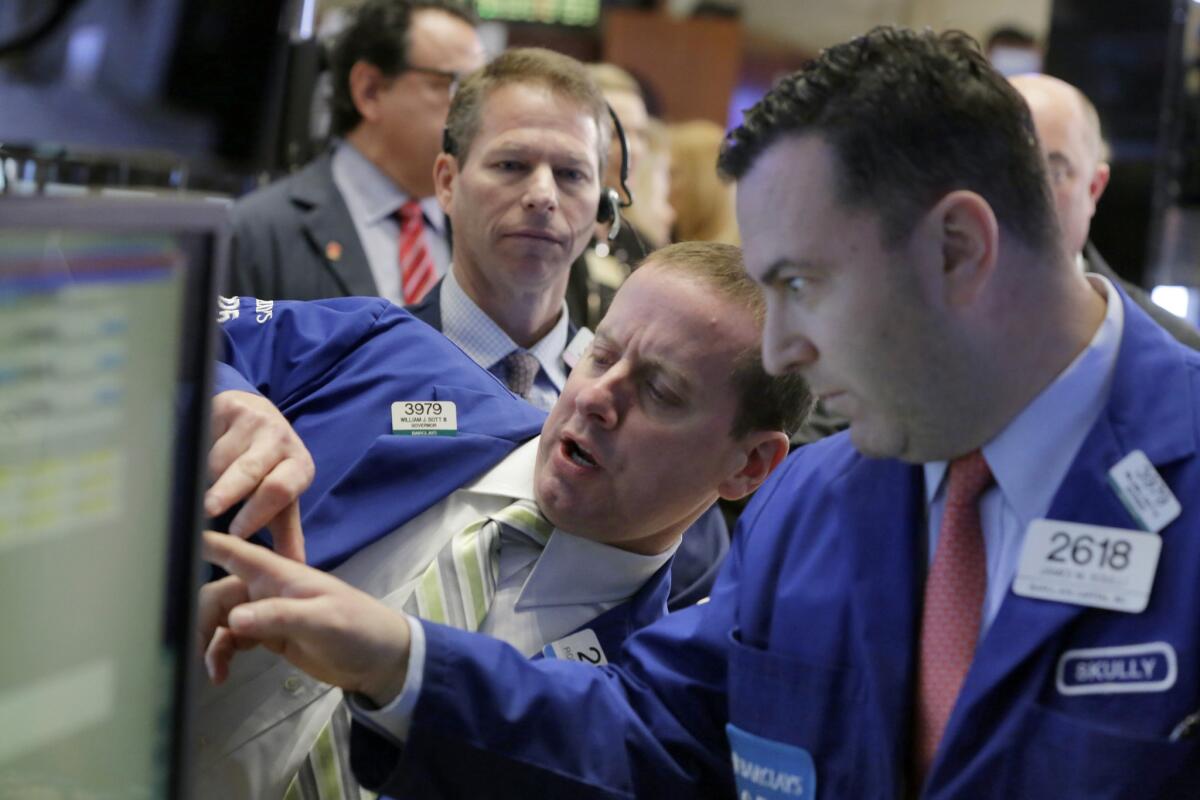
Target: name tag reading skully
(1148,667)
(1088,565)
(424,418)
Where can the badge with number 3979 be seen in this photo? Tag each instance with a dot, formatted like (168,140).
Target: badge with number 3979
(1088,565)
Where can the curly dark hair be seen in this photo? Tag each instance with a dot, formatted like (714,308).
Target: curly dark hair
(378,35)
(912,116)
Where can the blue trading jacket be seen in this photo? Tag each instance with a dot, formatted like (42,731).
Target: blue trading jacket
(810,641)
(334,368)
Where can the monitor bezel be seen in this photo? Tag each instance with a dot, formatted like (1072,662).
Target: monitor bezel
(189,216)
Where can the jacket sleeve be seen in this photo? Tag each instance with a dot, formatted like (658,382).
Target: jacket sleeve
(491,723)
(281,347)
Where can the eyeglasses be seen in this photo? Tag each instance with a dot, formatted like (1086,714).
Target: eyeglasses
(452,77)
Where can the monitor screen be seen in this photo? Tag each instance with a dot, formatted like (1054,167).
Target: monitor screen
(554,12)
(106,311)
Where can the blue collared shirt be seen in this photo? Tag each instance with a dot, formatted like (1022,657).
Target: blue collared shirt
(469,327)
(1031,456)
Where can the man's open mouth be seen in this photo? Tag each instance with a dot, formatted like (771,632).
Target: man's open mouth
(578,455)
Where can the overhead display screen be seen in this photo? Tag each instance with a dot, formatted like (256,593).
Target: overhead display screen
(553,12)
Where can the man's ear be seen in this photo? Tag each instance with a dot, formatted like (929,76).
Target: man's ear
(1099,182)
(965,236)
(445,170)
(367,83)
(762,452)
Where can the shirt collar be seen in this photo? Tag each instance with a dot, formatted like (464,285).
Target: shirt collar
(466,324)
(573,570)
(1051,429)
(371,195)
(512,477)
(570,570)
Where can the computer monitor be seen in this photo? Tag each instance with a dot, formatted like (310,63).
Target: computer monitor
(107,310)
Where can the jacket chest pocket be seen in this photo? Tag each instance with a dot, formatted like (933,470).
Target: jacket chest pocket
(1056,755)
(814,707)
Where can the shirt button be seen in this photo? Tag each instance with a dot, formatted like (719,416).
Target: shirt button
(293,684)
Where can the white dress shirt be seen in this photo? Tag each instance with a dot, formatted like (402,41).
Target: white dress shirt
(1032,455)
(254,731)
(373,199)
(469,327)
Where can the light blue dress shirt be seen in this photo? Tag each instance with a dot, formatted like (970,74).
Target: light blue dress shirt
(466,324)
(1031,456)
(542,594)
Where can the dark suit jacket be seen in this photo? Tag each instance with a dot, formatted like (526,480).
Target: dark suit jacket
(429,309)
(699,557)
(1182,330)
(295,240)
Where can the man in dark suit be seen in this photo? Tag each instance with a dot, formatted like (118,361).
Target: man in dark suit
(1068,129)
(362,219)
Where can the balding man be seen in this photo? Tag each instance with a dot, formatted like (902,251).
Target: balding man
(1068,129)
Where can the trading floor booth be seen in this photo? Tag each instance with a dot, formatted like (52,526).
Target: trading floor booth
(106,331)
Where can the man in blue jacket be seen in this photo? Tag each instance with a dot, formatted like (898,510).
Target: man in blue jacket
(985,588)
(398,514)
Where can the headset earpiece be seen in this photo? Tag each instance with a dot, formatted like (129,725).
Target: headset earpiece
(609,210)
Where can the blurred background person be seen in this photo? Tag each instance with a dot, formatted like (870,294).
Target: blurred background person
(1012,50)
(603,267)
(703,203)
(653,215)
(1072,141)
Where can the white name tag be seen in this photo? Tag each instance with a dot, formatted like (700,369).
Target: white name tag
(424,418)
(1088,565)
(1144,492)
(578,346)
(582,646)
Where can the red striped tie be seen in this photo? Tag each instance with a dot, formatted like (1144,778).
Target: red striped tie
(417,274)
(954,593)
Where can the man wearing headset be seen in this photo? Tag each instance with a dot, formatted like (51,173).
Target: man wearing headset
(525,151)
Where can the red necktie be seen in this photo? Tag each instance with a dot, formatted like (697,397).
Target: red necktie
(417,274)
(954,593)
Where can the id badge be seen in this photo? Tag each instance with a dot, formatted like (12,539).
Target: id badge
(1143,491)
(765,769)
(424,418)
(1088,565)
(581,646)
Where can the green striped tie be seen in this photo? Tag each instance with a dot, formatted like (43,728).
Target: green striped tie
(456,589)
(458,586)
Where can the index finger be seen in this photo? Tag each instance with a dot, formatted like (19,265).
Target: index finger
(265,572)
(287,533)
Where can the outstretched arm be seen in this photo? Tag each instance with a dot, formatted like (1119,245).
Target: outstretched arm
(327,628)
